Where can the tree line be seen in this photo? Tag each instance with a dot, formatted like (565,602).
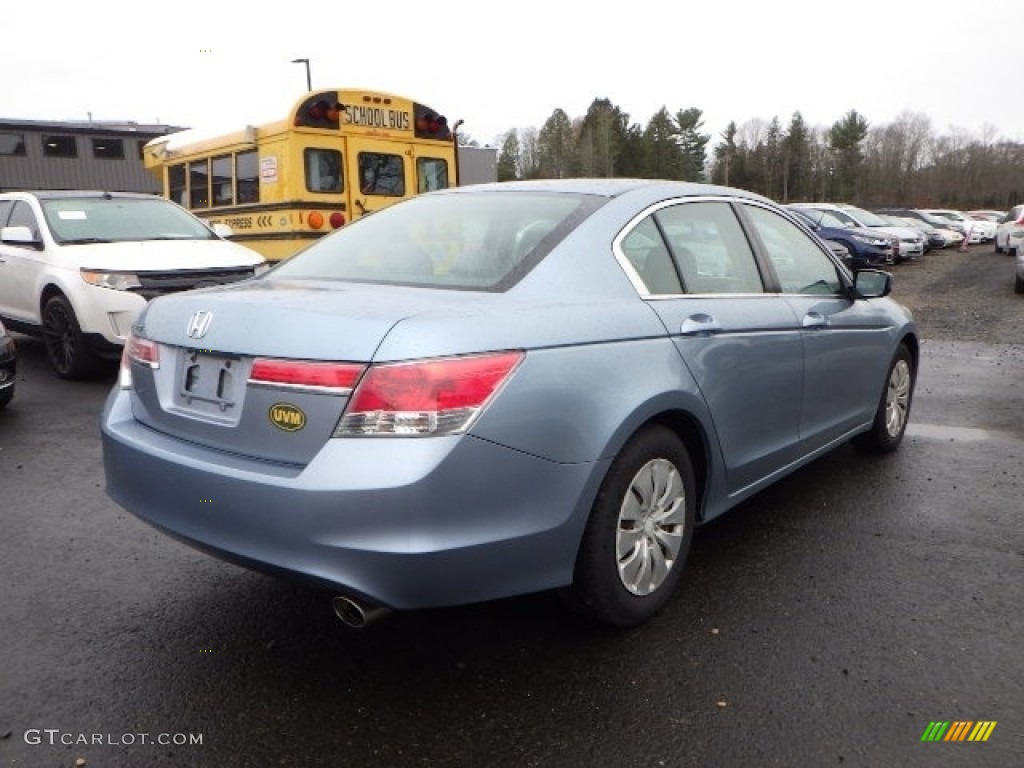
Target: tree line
(902,163)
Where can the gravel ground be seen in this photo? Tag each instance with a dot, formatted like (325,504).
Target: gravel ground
(962,296)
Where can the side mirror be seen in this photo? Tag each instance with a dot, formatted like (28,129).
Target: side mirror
(872,283)
(222,230)
(20,236)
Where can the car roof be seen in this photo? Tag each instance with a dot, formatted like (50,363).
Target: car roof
(610,187)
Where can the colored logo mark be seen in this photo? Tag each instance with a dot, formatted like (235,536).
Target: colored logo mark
(287,417)
(958,730)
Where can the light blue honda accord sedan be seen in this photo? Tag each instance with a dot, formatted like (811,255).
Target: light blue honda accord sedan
(502,389)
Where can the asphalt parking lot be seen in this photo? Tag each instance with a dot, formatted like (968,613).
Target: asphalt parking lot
(826,622)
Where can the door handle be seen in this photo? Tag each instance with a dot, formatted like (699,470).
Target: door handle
(814,320)
(700,325)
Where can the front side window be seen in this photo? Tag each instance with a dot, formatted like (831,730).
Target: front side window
(12,144)
(60,146)
(709,248)
(22,216)
(381,174)
(323,170)
(465,241)
(112,149)
(801,265)
(431,174)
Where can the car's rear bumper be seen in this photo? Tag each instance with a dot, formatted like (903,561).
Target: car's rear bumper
(455,520)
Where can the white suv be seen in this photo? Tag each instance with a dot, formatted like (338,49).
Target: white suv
(77,267)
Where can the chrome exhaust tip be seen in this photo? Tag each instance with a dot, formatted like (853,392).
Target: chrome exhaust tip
(357,614)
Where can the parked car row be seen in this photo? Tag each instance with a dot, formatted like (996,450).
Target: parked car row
(907,242)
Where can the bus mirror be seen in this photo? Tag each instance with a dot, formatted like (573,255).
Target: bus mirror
(222,230)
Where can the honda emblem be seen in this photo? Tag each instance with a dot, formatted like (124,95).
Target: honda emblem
(199,324)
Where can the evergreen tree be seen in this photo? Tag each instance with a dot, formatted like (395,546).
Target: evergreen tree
(796,161)
(692,143)
(602,134)
(845,137)
(663,159)
(555,146)
(508,157)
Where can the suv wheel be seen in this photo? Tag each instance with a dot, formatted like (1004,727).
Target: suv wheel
(66,349)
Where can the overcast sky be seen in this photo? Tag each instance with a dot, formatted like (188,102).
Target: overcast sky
(509,65)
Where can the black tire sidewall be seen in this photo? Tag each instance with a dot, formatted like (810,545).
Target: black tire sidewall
(83,363)
(878,439)
(597,589)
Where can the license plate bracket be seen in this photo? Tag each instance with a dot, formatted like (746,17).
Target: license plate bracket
(209,378)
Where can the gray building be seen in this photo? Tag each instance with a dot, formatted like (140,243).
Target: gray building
(106,155)
(477,165)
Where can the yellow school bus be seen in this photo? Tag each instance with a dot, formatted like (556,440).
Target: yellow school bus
(338,155)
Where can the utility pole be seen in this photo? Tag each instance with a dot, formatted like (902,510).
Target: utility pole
(309,80)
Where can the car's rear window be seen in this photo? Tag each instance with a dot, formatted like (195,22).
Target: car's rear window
(114,219)
(470,241)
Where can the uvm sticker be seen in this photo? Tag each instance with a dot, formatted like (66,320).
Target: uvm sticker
(287,417)
(958,730)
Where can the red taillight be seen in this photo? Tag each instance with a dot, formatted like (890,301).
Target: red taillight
(429,397)
(337,219)
(338,377)
(143,351)
(137,350)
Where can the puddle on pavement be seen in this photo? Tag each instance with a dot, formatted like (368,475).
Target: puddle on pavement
(940,432)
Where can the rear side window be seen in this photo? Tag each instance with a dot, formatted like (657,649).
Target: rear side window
(646,251)
(709,248)
(469,241)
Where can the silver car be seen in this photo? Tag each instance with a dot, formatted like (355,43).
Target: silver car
(503,389)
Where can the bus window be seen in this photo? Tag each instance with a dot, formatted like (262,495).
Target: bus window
(176,184)
(381,174)
(431,174)
(220,167)
(323,170)
(247,176)
(198,184)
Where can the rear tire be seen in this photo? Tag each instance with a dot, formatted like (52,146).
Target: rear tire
(636,541)
(5,397)
(66,349)
(893,412)
(1018,284)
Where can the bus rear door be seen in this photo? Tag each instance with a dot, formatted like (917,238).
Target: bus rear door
(381,173)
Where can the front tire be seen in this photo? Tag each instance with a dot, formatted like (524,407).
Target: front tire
(636,541)
(6,396)
(1018,284)
(66,349)
(893,412)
